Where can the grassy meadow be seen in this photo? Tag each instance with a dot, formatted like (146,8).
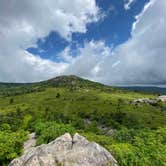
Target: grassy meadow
(134,133)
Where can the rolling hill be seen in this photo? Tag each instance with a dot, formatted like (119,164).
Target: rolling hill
(133,132)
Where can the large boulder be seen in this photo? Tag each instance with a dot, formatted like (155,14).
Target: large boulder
(67,151)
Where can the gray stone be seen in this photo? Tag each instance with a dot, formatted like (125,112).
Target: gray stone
(162,98)
(31,142)
(67,151)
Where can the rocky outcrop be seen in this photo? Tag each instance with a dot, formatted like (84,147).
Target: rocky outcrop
(145,101)
(67,151)
(153,101)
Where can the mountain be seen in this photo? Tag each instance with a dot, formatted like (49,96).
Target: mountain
(132,131)
(60,81)
(70,82)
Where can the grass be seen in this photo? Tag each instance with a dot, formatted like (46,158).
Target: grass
(84,108)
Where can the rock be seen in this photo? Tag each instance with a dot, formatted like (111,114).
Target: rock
(107,131)
(153,101)
(111,132)
(162,98)
(67,151)
(145,101)
(31,142)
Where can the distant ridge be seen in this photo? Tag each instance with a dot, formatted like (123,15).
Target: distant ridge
(78,82)
(148,89)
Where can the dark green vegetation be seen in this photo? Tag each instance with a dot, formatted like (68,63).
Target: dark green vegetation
(134,133)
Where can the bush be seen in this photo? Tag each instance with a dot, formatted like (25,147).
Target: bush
(11,145)
(140,147)
(124,154)
(93,127)
(48,131)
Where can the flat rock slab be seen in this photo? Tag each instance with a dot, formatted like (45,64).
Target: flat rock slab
(67,151)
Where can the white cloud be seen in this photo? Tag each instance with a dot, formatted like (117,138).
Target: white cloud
(89,60)
(143,56)
(128,4)
(116,64)
(22,22)
(25,67)
(140,60)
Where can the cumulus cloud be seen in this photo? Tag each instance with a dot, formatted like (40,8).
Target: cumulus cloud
(140,60)
(23,22)
(89,60)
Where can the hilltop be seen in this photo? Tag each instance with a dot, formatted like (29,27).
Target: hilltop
(71,81)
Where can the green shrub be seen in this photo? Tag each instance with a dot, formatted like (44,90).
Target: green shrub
(140,147)
(124,154)
(48,131)
(11,145)
(93,127)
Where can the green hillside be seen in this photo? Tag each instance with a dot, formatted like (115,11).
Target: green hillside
(134,133)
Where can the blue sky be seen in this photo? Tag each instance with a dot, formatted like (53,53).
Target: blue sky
(113,29)
(109,41)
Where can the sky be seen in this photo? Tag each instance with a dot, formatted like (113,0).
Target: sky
(109,41)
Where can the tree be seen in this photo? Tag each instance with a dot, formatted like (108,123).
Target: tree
(57,95)
(11,101)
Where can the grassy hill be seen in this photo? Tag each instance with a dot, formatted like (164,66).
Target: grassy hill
(134,133)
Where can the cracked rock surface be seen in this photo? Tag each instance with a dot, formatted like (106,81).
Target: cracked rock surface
(66,151)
